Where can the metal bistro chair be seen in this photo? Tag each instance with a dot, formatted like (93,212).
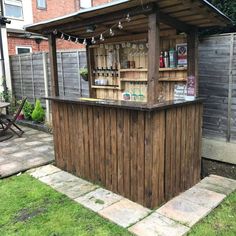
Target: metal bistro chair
(8,122)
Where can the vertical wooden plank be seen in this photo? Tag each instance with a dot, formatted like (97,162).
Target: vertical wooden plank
(96,144)
(102,145)
(114,148)
(141,158)
(153,57)
(108,155)
(120,150)
(133,154)
(127,153)
(148,158)
(92,148)
(53,64)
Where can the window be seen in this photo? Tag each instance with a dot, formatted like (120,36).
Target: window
(23,49)
(85,3)
(41,4)
(13,9)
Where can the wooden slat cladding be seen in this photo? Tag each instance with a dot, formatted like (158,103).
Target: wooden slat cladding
(146,156)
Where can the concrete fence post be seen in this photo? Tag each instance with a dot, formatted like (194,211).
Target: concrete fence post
(45,76)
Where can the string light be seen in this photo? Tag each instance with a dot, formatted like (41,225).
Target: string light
(128,19)
(93,41)
(85,42)
(120,26)
(101,38)
(112,32)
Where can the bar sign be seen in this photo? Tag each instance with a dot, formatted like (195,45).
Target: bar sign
(191,82)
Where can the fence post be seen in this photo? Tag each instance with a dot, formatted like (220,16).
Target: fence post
(21,78)
(45,77)
(62,73)
(78,71)
(32,75)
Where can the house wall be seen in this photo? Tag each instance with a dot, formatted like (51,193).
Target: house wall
(27,16)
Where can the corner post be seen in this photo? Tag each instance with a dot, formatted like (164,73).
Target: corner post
(153,57)
(53,64)
(192,41)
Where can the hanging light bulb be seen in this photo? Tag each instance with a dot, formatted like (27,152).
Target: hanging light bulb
(69,38)
(93,41)
(128,19)
(112,32)
(62,36)
(120,26)
(55,32)
(85,42)
(101,38)
(76,40)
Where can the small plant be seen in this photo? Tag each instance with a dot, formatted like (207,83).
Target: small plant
(38,113)
(28,110)
(84,73)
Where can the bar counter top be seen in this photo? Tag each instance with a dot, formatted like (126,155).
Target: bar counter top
(140,106)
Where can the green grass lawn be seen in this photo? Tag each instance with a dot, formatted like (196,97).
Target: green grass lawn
(31,208)
(221,222)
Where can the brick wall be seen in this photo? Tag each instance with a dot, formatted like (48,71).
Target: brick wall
(41,47)
(54,9)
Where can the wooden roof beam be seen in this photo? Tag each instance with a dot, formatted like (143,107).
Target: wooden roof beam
(100,19)
(174,23)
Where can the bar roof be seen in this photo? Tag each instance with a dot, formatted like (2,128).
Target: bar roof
(173,14)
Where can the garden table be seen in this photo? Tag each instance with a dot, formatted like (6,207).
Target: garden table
(4,135)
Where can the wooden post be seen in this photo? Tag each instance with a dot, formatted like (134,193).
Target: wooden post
(153,57)
(192,41)
(53,64)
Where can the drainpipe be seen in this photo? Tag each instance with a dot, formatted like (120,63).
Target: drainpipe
(3,22)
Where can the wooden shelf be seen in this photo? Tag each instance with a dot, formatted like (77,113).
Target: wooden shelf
(173,69)
(172,79)
(134,70)
(106,87)
(132,80)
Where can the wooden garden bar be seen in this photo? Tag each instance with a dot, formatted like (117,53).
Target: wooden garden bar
(148,148)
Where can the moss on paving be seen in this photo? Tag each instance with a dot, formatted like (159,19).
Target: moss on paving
(221,222)
(29,207)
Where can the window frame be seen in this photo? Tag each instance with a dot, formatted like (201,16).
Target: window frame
(25,47)
(41,8)
(17,3)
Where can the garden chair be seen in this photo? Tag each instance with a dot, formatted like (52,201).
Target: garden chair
(8,122)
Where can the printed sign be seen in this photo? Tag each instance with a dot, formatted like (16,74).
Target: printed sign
(180,91)
(191,82)
(182,53)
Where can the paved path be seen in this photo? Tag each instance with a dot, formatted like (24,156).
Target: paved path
(175,218)
(33,149)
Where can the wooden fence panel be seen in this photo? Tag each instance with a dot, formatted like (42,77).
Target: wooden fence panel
(28,75)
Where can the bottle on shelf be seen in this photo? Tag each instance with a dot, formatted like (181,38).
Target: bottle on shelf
(173,58)
(162,63)
(166,59)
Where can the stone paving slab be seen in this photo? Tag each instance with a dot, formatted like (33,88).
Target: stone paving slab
(33,149)
(68,184)
(223,185)
(43,171)
(156,224)
(183,211)
(125,212)
(98,199)
(203,197)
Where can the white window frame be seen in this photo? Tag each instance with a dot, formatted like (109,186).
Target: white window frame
(82,2)
(17,3)
(23,46)
(41,8)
